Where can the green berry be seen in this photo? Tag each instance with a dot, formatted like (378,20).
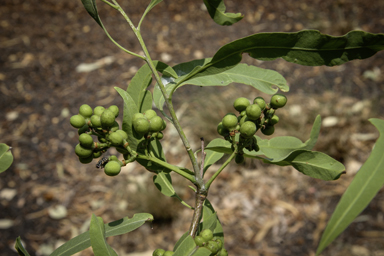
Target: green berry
(274,120)
(141,125)
(206,234)
(168,253)
(112,168)
(270,113)
(155,124)
(86,140)
(229,122)
(212,246)
(248,129)
(239,159)
(278,101)
(98,110)
(222,252)
(222,130)
(253,112)
(82,152)
(114,127)
(164,125)
(243,113)
(218,241)
(241,104)
(86,160)
(116,139)
(150,113)
(97,154)
(113,158)
(85,110)
(243,120)
(137,115)
(123,134)
(96,121)
(77,121)
(159,135)
(158,252)
(199,241)
(268,130)
(260,102)
(114,109)
(107,119)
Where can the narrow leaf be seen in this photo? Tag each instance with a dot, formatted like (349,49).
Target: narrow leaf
(90,6)
(202,251)
(212,157)
(152,4)
(186,247)
(216,9)
(97,237)
(163,182)
(20,248)
(130,108)
(181,239)
(115,228)
(6,157)
(367,182)
(157,149)
(314,164)
(210,223)
(307,47)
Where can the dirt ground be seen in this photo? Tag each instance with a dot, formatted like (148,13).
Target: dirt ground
(47,196)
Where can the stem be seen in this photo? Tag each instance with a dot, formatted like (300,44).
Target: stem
(208,184)
(110,4)
(199,202)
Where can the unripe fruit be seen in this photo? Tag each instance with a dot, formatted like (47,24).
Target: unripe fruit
(82,152)
(96,121)
(86,160)
(137,115)
(218,241)
(96,154)
(115,110)
(85,110)
(241,104)
(212,246)
(86,140)
(102,140)
(222,252)
(253,112)
(150,113)
(222,130)
(243,113)
(268,130)
(116,139)
(141,125)
(168,253)
(229,122)
(274,120)
(270,113)
(164,125)
(158,252)
(123,134)
(159,135)
(114,127)
(206,234)
(199,241)
(248,129)
(77,121)
(243,120)
(113,158)
(107,118)
(260,102)
(278,101)
(98,110)
(83,129)
(239,159)
(112,168)
(155,124)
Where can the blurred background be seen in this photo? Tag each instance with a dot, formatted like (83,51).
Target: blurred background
(54,57)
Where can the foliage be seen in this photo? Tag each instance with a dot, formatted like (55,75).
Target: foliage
(139,137)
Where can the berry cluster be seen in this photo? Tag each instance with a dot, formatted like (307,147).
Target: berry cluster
(162,252)
(251,118)
(148,124)
(214,244)
(101,123)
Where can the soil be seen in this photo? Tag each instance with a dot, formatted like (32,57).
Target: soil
(264,210)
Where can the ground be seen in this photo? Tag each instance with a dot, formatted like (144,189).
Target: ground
(264,210)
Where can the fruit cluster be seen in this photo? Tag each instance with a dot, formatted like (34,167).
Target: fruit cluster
(101,123)
(148,124)
(251,118)
(162,252)
(214,244)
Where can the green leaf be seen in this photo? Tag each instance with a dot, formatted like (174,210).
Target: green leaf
(115,228)
(186,247)
(163,182)
(307,47)
(202,251)
(210,222)
(181,239)
(90,6)
(367,182)
(152,4)
(216,9)
(130,108)
(208,213)
(20,248)
(97,237)
(314,164)
(157,149)
(212,157)
(6,157)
